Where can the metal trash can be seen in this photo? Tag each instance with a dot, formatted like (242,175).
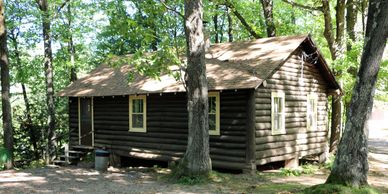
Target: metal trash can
(101,160)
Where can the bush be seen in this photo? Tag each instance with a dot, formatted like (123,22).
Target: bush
(4,156)
(329,163)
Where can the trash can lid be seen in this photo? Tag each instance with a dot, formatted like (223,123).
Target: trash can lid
(100,152)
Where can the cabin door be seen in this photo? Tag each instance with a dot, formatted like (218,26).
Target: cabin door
(85,113)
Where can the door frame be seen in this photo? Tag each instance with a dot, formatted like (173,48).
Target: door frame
(79,119)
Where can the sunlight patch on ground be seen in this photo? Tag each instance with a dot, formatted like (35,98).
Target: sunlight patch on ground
(20,177)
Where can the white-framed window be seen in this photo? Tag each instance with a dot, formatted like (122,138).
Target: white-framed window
(311,114)
(277,113)
(214,113)
(138,113)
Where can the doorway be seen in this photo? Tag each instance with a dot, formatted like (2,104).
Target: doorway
(85,121)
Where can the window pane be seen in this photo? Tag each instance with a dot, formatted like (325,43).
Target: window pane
(212,122)
(212,104)
(137,121)
(137,105)
(280,105)
(276,122)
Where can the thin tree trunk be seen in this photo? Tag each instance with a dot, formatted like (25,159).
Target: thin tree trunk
(268,15)
(363,5)
(48,66)
(215,21)
(230,25)
(328,31)
(351,19)
(196,160)
(73,70)
(340,27)
(242,20)
(29,125)
(5,89)
(351,163)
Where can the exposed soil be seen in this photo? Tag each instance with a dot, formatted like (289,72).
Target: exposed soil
(147,180)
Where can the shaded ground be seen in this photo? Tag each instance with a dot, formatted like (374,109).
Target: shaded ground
(147,180)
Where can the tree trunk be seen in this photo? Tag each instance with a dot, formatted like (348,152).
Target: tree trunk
(328,31)
(242,20)
(363,5)
(351,19)
(335,132)
(268,15)
(73,71)
(196,160)
(5,86)
(230,25)
(340,24)
(351,163)
(48,66)
(28,124)
(215,21)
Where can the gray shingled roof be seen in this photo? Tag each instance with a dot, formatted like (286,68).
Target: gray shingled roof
(236,65)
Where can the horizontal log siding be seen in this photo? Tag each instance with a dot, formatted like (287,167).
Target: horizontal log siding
(166,136)
(271,148)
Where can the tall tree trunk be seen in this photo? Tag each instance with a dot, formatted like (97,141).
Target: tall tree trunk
(73,70)
(29,125)
(196,160)
(48,66)
(351,19)
(230,25)
(340,27)
(268,15)
(242,20)
(328,31)
(215,21)
(5,87)
(363,5)
(351,163)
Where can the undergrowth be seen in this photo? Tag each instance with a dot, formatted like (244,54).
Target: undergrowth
(339,189)
(303,169)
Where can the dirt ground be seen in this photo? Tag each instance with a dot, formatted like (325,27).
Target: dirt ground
(147,180)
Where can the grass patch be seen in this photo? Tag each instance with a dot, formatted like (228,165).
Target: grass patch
(303,169)
(339,189)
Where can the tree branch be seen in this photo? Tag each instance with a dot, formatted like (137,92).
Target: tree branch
(242,20)
(171,9)
(306,7)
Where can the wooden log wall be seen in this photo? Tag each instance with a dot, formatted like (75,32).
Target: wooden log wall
(166,136)
(297,140)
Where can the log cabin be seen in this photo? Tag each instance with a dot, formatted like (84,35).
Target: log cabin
(268,102)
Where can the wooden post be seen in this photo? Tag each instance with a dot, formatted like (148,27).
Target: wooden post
(115,160)
(250,160)
(293,162)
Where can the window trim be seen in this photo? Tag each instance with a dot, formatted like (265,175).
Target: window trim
(136,129)
(312,96)
(217,95)
(281,95)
